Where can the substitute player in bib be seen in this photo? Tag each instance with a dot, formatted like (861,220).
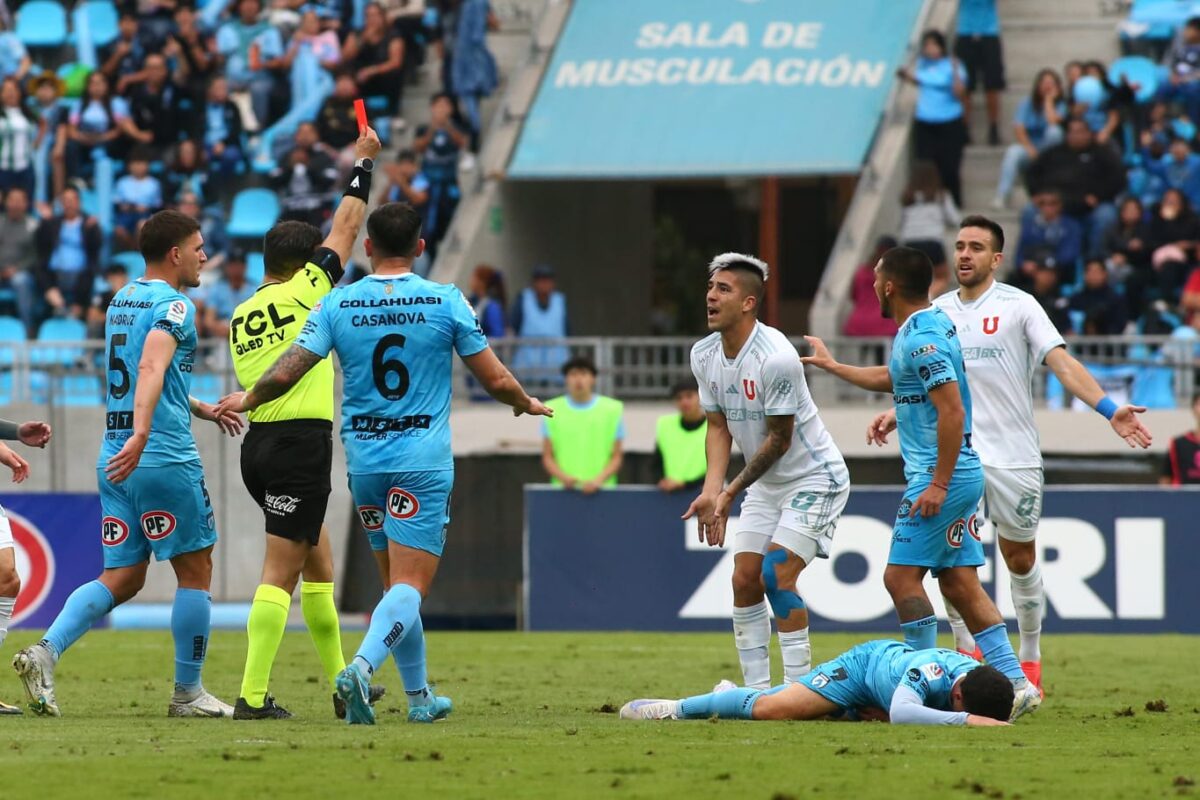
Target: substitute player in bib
(288,450)
(33,434)
(152,489)
(1004,334)
(753,390)
(936,528)
(395,334)
(882,679)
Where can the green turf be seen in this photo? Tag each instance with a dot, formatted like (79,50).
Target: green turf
(534,718)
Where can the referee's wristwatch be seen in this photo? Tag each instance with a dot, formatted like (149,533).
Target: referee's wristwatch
(365,164)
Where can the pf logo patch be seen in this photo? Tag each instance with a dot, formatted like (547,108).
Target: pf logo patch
(973,526)
(371,516)
(113,531)
(402,504)
(157,525)
(954,534)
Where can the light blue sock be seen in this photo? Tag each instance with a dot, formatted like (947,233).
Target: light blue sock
(191,616)
(409,655)
(732,704)
(391,622)
(920,634)
(997,651)
(83,609)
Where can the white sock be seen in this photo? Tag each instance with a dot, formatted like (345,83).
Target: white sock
(6,611)
(752,636)
(963,640)
(1030,601)
(797,654)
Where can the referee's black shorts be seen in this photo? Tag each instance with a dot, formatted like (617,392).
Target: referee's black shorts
(982,58)
(285,466)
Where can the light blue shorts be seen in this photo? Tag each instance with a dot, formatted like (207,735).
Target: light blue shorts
(409,508)
(951,539)
(162,510)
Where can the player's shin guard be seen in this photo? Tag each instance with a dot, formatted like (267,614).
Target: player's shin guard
(264,631)
(964,642)
(7,604)
(1029,598)
(391,621)
(321,617)
(998,652)
(920,634)
(409,655)
(752,636)
(191,618)
(85,607)
(733,704)
(797,654)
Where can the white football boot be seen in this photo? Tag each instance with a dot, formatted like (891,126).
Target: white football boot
(35,668)
(202,705)
(650,709)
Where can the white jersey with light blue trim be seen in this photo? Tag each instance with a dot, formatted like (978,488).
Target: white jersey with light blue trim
(767,379)
(1004,334)
(395,336)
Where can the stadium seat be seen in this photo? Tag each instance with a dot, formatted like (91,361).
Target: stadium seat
(42,23)
(100,17)
(255,269)
(59,329)
(254,212)
(133,263)
(11,330)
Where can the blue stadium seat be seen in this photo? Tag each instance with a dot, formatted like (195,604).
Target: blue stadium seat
(207,387)
(59,330)
(133,263)
(42,23)
(254,212)
(11,330)
(101,19)
(255,269)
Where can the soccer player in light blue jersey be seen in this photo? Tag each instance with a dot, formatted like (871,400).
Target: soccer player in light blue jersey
(936,528)
(395,334)
(882,679)
(152,491)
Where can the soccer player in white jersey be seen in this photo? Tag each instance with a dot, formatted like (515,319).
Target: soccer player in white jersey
(1005,334)
(753,390)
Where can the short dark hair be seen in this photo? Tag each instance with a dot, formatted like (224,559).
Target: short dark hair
(990,225)
(910,269)
(394,230)
(749,276)
(987,692)
(164,231)
(579,362)
(1075,118)
(687,384)
(1193,22)
(288,246)
(937,37)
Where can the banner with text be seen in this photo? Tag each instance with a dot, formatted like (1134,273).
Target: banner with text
(714,88)
(56,540)
(1113,561)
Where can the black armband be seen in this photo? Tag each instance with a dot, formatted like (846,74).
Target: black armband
(328,262)
(360,184)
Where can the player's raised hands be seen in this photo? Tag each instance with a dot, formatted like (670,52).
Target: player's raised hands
(880,427)
(1127,425)
(367,145)
(18,465)
(34,434)
(821,357)
(228,421)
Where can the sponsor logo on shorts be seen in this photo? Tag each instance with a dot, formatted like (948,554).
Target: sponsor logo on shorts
(402,504)
(158,525)
(281,503)
(954,534)
(973,526)
(113,531)
(371,516)
(905,508)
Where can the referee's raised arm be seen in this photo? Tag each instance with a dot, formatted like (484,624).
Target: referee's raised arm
(351,212)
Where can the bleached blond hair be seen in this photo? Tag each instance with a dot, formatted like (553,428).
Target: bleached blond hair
(729,260)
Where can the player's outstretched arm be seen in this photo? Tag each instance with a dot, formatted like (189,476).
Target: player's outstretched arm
(718,442)
(281,376)
(498,382)
(351,212)
(157,353)
(1079,382)
(31,434)
(873,379)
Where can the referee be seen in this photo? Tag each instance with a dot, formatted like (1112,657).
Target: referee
(288,451)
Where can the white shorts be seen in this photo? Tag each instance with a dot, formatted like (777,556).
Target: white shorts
(799,519)
(6,539)
(1012,500)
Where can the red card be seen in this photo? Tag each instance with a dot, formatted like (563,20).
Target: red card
(360,111)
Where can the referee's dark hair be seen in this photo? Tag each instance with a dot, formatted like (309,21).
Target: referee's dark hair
(911,271)
(987,692)
(989,225)
(162,232)
(394,230)
(288,246)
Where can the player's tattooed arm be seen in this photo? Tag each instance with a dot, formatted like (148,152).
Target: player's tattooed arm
(282,376)
(780,429)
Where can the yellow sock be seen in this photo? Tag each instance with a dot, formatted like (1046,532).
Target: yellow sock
(321,617)
(268,618)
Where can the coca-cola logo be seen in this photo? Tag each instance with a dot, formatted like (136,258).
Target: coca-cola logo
(281,503)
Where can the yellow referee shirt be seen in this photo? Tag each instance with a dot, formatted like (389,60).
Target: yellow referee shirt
(265,326)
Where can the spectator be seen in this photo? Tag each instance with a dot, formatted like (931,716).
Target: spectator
(212,227)
(1087,175)
(1048,239)
(377,58)
(52,124)
(1037,125)
(1181,467)
(127,53)
(977,47)
(440,142)
(940,131)
(928,210)
(1102,116)
(582,442)
(487,298)
(865,319)
(1045,291)
(540,312)
(1180,169)
(68,249)
(337,126)
(156,108)
(408,182)
(100,124)
(231,290)
(1183,61)
(1127,248)
(1172,235)
(136,196)
(473,68)
(187,171)
(1098,302)
(304,184)
(19,129)
(14,58)
(116,278)
(222,131)
(252,50)
(323,45)
(193,53)
(18,257)
(679,458)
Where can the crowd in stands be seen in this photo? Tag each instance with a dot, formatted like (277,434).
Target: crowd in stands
(189,107)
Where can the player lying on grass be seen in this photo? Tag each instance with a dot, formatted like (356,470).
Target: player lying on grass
(918,687)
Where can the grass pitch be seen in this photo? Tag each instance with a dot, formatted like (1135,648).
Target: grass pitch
(535,717)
